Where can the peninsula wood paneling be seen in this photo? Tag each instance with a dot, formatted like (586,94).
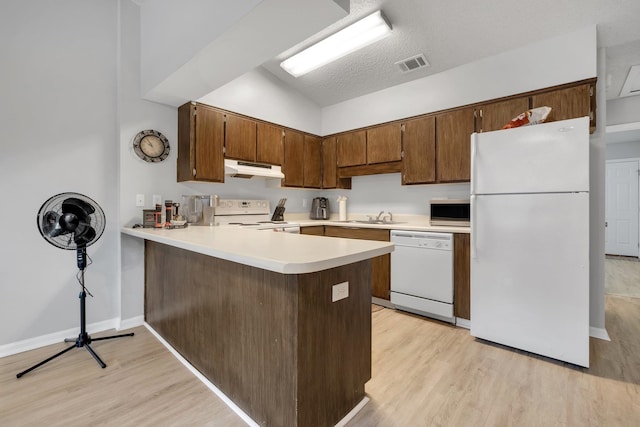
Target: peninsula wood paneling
(274,344)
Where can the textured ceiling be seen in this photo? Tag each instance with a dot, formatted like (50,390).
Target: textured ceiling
(455,32)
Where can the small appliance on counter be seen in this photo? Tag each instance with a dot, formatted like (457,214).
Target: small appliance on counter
(278,212)
(450,212)
(199,209)
(319,208)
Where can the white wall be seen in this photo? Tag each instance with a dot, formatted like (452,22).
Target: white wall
(623,110)
(623,150)
(568,58)
(58,127)
(175,31)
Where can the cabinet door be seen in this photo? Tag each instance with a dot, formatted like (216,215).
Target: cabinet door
(200,143)
(461,276)
(497,114)
(240,138)
(419,151)
(329,172)
(568,103)
(384,144)
(453,145)
(269,146)
(312,161)
(381,265)
(313,230)
(293,166)
(352,149)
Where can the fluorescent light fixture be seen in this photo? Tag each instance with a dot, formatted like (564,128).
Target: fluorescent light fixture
(357,35)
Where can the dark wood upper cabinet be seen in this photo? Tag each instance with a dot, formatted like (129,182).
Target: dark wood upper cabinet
(312,168)
(269,144)
(495,115)
(352,149)
(384,144)
(293,165)
(453,145)
(567,103)
(200,143)
(419,151)
(240,138)
(329,164)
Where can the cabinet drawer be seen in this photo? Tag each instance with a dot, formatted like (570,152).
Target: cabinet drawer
(357,233)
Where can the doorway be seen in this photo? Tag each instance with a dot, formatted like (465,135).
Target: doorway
(622,211)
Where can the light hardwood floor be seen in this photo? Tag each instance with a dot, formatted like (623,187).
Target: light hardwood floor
(622,276)
(425,373)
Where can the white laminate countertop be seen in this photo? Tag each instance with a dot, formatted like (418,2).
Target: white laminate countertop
(284,253)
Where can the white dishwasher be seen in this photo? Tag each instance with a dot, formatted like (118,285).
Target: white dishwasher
(422,273)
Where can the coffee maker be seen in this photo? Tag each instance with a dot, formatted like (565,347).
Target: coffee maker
(319,208)
(199,209)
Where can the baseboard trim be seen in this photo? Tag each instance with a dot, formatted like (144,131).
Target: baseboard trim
(131,322)
(463,323)
(54,338)
(204,379)
(600,333)
(352,413)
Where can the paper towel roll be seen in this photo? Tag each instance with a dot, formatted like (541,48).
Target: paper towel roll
(342,208)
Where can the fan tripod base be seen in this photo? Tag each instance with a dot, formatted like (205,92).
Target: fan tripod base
(83,340)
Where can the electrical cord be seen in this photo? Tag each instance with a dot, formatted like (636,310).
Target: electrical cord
(79,273)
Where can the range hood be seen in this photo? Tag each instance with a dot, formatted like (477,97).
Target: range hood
(242,169)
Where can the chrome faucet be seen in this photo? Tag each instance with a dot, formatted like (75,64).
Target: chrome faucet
(378,217)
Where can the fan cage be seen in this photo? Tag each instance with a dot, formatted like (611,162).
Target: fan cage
(66,241)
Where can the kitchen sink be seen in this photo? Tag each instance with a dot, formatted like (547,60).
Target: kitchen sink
(370,221)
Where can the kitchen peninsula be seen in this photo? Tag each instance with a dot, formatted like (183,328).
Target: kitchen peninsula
(258,314)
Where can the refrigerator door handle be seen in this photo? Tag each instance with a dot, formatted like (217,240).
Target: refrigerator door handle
(474,235)
(474,136)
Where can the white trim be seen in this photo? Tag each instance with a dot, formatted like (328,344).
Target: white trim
(463,323)
(131,322)
(624,127)
(352,413)
(203,379)
(53,338)
(600,333)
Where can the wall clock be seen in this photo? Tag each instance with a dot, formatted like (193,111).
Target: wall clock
(151,146)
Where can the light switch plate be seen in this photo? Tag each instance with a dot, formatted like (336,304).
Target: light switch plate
(157,200)
(140,200)
(339,291)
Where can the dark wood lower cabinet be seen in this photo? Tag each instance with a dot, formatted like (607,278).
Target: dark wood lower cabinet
(381,266)
(462,275)
(275,344)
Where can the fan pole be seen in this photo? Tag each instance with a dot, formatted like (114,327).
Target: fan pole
(84,339)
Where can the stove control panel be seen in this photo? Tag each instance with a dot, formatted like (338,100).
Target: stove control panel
(242,207)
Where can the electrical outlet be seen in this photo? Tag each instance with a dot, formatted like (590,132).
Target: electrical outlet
(339,291)
(140,200)
(305,202)
(157,200)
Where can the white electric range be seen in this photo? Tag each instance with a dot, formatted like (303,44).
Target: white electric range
(247,213)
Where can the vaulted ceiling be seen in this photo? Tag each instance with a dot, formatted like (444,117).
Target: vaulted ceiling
(455,32)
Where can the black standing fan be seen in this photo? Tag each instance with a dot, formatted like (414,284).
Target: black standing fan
(73,221)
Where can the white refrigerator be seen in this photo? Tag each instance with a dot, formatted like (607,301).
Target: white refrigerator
(530,238)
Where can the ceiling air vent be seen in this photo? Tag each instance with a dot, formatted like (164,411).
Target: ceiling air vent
(413,63)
